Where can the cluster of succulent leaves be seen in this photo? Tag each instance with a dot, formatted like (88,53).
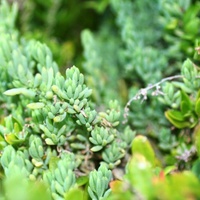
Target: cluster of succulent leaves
(187,116)
(146,177)
(149,176)
(181,23)
(149,37)
(61,140)
(50,132)
(179,180)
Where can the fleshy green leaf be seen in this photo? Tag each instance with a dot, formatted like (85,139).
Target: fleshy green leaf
(17,91)
(82,180)
(177,119)
(96,148)
(197,107)
(174,114)
(36,105)
(75,194)
(141,145)
(12,139)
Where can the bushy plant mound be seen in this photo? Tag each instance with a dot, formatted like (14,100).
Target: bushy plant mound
(60,139)
(50,130)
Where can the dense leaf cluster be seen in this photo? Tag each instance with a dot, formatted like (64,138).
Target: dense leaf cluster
(62,133)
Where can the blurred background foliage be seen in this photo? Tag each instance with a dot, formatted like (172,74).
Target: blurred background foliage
(120,46)
(57,23)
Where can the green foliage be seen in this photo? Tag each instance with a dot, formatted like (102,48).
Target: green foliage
(98,183)
(181,21)
(57,23)
(17,187)
(142,146)
(62,178)
(186,110)
(143,180)
(61,135)
(130,56)
(50,131)
(187,116)
(133,42)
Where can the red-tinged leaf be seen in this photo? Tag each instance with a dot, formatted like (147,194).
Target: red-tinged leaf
(162,175)
(116,185)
